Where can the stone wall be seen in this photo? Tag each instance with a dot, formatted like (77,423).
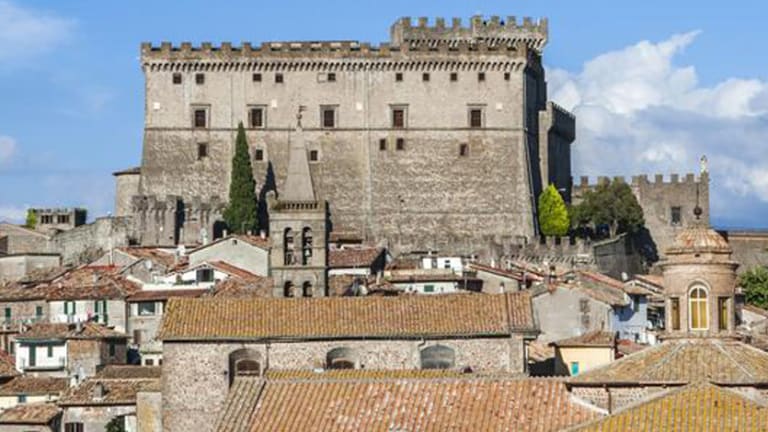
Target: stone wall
(563,313)
(87,356)
(18,240)
(149,412)
(750,248)
(15,267)
(88,242)
(95,418)
(126,186)
(23,312)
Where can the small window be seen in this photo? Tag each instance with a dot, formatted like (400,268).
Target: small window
(481,76)
(50,351)
(398,117)
(454,76)
(63,219)
(722,307)
(341,358)
(258,155)
(200,79)
(635,303)
(256,77)
(202,151)
(674,306)
(331,77)
(22,399)
(149,362)
(205,275)
(177,78)
(425,77)
(38,312)
(463,149)
(383,144)
(398,76)
(400,144)
(429,288)
(313,156)
(201,118)
(146,308)
(475,118)
(676,215)
(437,357)
(279,78)
(574,368)
(583,305)
(507,76)
(256,117)
(7,315)
(73,427)
(328,116)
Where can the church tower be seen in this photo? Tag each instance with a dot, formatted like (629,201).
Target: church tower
(298,229)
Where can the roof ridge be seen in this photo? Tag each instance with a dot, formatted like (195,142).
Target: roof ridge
(738,364)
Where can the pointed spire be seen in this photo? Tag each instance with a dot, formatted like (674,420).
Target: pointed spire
(298,185)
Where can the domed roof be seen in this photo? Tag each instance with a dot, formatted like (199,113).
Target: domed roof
(700,239)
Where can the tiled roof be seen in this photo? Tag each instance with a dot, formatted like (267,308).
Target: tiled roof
(590,339)
(699,239)
(601,278)
(353,257)
(89,330)
(458,404)
(231,269)
(341,285)
(240,404)
(438,276)
(129,372)
(358,374)
(685,361)
(517,275)
(627,347)
(91,283)
(602,293)
(651,279)
(252,240)
(13,292)
(699,408)
(236,288)
(159,256)
(116,392)
(342,317)
(30,414)
(153,295)
(29,385)
(7,365)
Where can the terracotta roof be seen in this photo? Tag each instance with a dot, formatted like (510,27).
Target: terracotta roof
(602,293)
(685,361)
(590,339)
(236,288)
(628,347)
(240,405)
(7,365)
(434,277)
(517,275)
(358,374)
(341,285)
(89,330)
(252,240)
(29,385)
(601,278)
(458,404)
(91,283)
(14,292)
(129,372)
(701,407)
(348,317)
(401,263)
(699,239)
(159,256)
(539,351)
(353,257)
(756,310)
(30,414)
(43,275)
(231,269)
(116,392)
(650,279)
(154,295)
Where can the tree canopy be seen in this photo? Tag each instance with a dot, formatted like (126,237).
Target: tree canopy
(31,221)
(611,205)
(755,284)
(553,214)
(240,214)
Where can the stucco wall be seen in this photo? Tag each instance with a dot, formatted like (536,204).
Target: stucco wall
(236,253)
(560,314)
(587,358)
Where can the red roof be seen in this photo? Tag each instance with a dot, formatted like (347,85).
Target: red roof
(353,257)
(152,295)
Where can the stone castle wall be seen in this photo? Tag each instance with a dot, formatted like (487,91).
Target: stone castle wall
(88,242)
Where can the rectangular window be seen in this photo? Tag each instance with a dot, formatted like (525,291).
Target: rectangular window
(177,78)
(425,77)
(202,151)
(429,288)
(383,144)
(583,305)
(149,362)
(674,306)
(258,155)
(722,307)
(146,308)
(73,427)
(635,303)
(205,275)
(475,118)
(481,76)
(279,78)
(256,117)
(507,76)
(676,215)
(400,144)
(314,156)
(463,149)
(38,312)
(199,78)
(398,117)
(398,76)
(454,76)
(22,399)
(574,368)
(256,77)
(331,77)
(63,219)
(50,351)
(7,315)
(200,118)
(328,116)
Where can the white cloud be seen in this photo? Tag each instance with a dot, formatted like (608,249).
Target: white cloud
(26,32)
(639,112)
(7,149)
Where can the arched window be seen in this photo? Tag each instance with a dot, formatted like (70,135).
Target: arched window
(244,362)
(341,358)
(698,308)
(306,289)
(438,357)
(288,258)
(306,246)
(288,289)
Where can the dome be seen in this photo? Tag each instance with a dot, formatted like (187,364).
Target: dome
(700,239)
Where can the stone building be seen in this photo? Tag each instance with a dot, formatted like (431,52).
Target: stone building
(39,417)
(203,352)
(51,221)
(470,99)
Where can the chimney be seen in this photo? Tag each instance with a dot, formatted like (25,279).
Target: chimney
(79,326)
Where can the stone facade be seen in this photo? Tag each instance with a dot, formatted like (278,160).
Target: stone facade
(25,311)
(85,357)
(51,221)
(88,242)
(95,418)
(126,186)
(15,267)
(19,240)
(149,411)
(563,313)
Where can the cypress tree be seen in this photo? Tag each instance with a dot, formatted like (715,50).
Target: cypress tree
(240,214)
(553,215)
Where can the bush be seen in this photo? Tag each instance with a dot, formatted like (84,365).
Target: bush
(754,282)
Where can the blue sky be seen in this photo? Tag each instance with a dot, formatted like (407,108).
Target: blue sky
(654,84)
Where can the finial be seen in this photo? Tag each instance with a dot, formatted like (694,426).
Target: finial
(697,211)
(703,164)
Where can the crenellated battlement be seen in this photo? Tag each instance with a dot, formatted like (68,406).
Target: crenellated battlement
(585,182)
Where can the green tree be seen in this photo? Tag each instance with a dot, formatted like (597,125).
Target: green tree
(117,424)
(31,221)
(553,214)
(754,282)
(610,204)
(240,214)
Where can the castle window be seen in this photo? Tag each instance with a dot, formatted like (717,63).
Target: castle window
(314,155)
(177,78)
(256,77)
(676,215)
(73,427)
(507,76)
(425,77)
(399,76)
(399,114)
(383,144)
(475,117)
(149,362)
(463,149)
(722,307)
(481,76)
(200,118)
(244,362)
(437,357)
(306,289)
(306,246)
(331,77)
(288,258)
(674,310)
(400,144)
(341,358)
(200,79)
(46,219)
(454,76)
(328,116)
(698,308)
(63,219)
(279,78)
(258,155)
(256,116)
(288,289)
(202,151)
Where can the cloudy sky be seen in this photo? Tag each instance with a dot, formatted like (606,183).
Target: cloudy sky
(654,84)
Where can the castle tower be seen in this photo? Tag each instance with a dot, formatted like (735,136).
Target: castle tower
(699,283)
(298,228)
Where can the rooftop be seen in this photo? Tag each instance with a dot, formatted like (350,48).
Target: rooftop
(589,339)
(360,374)
(115,392)
(7,365)
(236,288)
(88,330)
(30,385)
(30,414)
(156,255)
(353,257)
(348,317)
(129,372)
(91,283)
(252,240)
(155,295)
(699,239)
